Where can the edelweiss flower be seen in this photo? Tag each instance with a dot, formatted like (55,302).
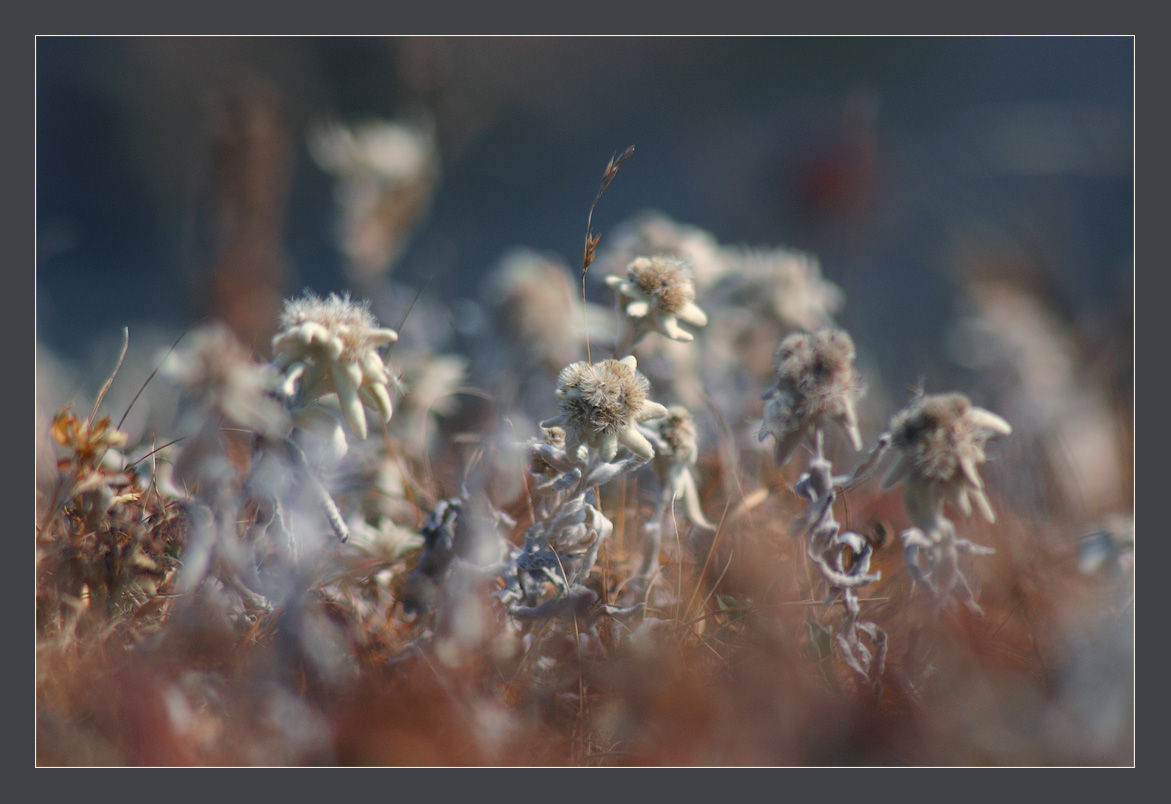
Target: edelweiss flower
(677,431)
(331,346)
(940,440)
(816,383)
(661,293)
(676,452)
(601,404)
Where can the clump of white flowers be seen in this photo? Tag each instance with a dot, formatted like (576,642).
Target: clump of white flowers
(658,294)
(602,407)
(224,394)
(331,346)
(323,348)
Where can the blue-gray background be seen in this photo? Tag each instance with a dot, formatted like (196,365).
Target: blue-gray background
(894,159)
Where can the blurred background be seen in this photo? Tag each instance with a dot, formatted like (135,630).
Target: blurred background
(185,178)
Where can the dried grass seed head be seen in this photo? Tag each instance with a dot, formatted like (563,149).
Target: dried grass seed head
(601,404)
(816,384)
(660,290)
(331,345)
(939,440)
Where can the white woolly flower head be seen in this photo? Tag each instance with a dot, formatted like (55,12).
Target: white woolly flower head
(816,384)
(939,440)
(330,346)
(659,292)
(601,405)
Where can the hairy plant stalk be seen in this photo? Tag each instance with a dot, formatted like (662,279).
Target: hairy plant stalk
(843,560)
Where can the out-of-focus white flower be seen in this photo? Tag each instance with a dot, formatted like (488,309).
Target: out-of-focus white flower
(676,451)
(1031,365)
(429,383)
(331,346)
(816,384)
(659,292)
(389,151)
(388,172)
(939,440)
(217,378)
(430,380)
(781,284)
(537,309)
(601,404)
